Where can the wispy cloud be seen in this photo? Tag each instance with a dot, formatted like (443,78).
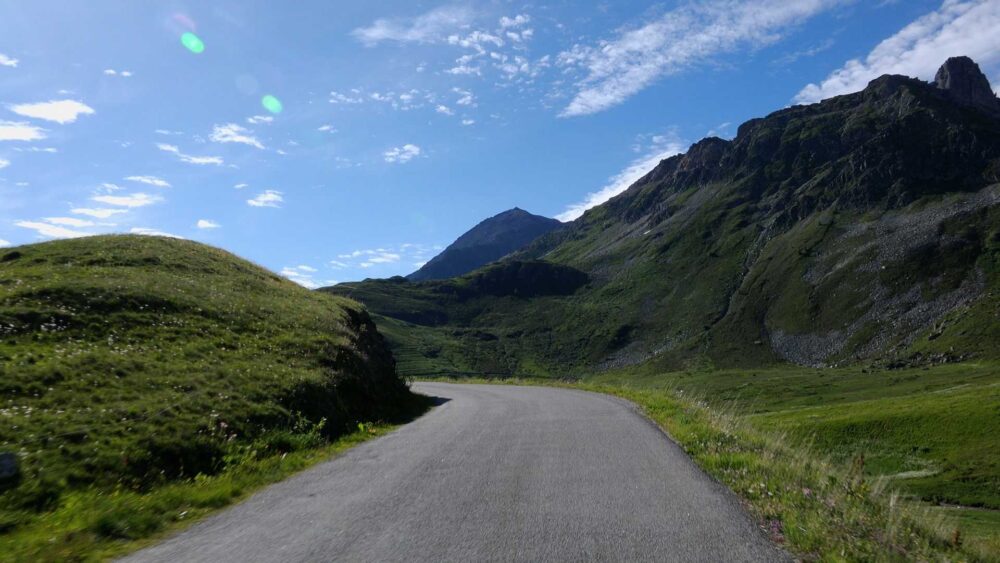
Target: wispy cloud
(956,28)
(49,230)
(132,200)
(233,133)
(401,155)
(99,213)
(431,27)
(661,147)
(257,119)
(145,231)
(150,180)
(4,163)
(20,131)
(189,159)
(122,73)
(268,198)
(8,61)
(4,243)
(681,38)
(59,111)
(374,257)
(302,275)
(69,222)
(206,224)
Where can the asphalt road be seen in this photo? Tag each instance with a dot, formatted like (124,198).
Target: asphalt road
(495,473)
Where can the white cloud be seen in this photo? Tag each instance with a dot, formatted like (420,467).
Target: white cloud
(3,243)
(217,160)
(340,98)
(206,224)
(233,133)
(49,230)
(131,200)
(430,27)
(301,275)
(260,119)
(444,110)
(69,222)
(8,61)
(150,180)
(37,149)
(240,186)
(268,198)
(20,131)
(100,213)
(113,72)
(326,128)
(338,264)
(683,37)
(384,258)
(516,21)
(144,231)
(401,154)
(957,28)
(468,122)
(466,98)
(4,163)
(59,111)
(663,146)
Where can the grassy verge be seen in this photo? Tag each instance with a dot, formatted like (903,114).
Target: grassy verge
(94,524)
(819,506)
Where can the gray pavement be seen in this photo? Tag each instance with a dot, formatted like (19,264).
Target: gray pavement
(494,473)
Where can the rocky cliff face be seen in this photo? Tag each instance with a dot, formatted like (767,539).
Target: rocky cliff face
(488,241)
(865,228)
(966,84)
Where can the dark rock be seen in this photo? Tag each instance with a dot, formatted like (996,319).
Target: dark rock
(966,84)
(487,242)
(10,472)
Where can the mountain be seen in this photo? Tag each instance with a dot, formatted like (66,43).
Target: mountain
(864,228)
(131,362)
(488,241)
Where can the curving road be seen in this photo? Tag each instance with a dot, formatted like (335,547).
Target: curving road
(495,473)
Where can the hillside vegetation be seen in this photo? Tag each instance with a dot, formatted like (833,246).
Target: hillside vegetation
(129,363)
(828,279)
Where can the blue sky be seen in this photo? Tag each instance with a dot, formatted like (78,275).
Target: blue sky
(404,123)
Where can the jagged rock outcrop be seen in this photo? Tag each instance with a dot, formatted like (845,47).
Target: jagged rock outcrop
(966,84)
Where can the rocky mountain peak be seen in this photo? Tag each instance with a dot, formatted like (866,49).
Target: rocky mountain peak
(965,83)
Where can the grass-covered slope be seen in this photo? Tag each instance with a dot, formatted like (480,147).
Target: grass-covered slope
(865,228)
(130,362)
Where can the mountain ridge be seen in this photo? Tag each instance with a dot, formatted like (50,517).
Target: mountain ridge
(861,228)
(491,239)
(488,241)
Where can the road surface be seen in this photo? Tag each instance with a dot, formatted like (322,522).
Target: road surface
(494,473)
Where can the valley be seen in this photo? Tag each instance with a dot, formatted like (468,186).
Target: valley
(809,310)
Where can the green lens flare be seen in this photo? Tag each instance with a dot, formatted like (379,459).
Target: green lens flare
(271,104)
(192,42)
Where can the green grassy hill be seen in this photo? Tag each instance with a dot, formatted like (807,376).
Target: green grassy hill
(128,363)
